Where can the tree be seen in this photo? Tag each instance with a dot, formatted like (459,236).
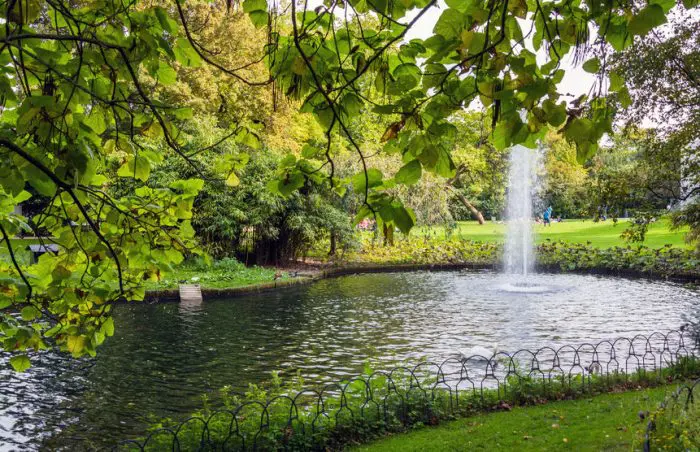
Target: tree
(660,79)
(82,105)
(565,179)
(478,183)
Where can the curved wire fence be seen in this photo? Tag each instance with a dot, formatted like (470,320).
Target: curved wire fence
(392,400)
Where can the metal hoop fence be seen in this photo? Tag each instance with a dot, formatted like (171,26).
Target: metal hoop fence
(392,400)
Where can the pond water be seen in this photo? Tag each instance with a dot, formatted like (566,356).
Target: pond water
(163,357)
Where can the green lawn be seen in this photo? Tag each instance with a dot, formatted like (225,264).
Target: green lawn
(224,274)
(604,422)
(600,234)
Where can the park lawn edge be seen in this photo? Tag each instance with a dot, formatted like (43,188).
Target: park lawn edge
(453,433)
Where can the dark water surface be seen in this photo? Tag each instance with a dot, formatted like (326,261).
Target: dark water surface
(163,357)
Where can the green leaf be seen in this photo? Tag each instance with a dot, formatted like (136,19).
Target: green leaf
(579,130)
(165,21)
(556,114)
(30,313)
(450,24)
(616,81)
(410,173)
(75,345)
(291,183)
(407,76)
(373,179)
(403,219)
(136,167)
(648,18)
(592,66)
(185,54)
(166,74)
(257,11)
(585,151)
(232,180)
(254,5)
(20,363)
(108,327)
(40,181)
(352,104)
(259,18)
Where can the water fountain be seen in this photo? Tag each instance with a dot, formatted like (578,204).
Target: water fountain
(522,176)
(519,253)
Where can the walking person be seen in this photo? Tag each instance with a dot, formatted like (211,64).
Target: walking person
(547,216)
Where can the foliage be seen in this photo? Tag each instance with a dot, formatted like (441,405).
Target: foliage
(675,425)
(565,180)
(689,216)
(480,168)
(96,96)
(658,76)
(337,66)
(426,250)
(666,261)
(78,104)
(221,274)
(659,79)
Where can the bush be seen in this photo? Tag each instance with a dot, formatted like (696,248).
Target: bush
(666,261)
(560,256)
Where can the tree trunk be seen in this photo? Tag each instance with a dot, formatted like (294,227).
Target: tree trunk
(475,212)
(451,186)
(331,252)
(388,235)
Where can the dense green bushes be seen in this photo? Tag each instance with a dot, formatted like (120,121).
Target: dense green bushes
(666,261)
(260,227)
(428,250)
(560,256)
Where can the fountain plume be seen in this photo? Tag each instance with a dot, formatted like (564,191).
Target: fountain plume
(522,177)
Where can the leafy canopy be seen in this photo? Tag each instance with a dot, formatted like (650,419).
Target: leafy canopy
(82,104)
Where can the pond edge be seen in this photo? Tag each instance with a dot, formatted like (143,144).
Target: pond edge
(170,295)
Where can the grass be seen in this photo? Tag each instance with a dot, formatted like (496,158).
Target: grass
(223,274)
(604,422)
(600,234)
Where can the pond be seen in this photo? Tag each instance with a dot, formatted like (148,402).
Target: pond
(163,357)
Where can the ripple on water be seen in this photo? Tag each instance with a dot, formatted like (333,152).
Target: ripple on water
(164,357)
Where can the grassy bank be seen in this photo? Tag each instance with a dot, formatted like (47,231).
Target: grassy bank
(603,422)
(222,274)
(604,234)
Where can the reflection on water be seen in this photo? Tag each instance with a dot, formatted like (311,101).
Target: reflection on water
(163,357)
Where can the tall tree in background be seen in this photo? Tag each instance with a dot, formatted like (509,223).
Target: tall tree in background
(660,80)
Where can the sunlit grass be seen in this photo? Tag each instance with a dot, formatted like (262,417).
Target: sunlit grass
(603,234)
(604,422)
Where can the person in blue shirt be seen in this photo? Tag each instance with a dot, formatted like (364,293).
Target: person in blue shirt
(547,216)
